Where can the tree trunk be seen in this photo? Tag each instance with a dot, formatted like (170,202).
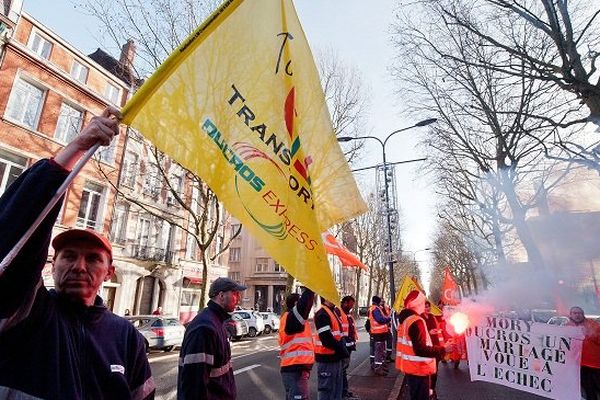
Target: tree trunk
(204,280)
(518,213)
(357,292)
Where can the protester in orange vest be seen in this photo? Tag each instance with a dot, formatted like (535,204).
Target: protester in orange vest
(297,350)
(330,350)
(379,331)
(590,353)
(415,353)
(437,338)
(351,337)
(389,346)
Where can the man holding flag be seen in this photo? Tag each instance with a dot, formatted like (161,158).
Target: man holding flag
(63,343)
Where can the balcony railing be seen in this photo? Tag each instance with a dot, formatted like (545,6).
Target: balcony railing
(148,253)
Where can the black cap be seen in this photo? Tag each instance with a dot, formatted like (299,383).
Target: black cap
(224,285)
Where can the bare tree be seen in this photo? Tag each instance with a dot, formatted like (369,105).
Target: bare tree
(487,141)
(347,100)
(547,41)
(450,250)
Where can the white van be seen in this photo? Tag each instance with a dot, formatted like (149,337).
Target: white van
(256,323)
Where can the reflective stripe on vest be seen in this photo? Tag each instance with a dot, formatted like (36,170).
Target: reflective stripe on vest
(406,359)
(376,327)
(298,348)
(335,329)
(216,372)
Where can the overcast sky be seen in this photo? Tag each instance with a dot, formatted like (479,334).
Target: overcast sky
(357,30)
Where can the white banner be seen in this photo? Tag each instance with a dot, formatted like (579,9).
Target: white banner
(536,358)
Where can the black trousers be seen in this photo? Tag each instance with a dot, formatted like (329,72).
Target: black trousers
(590,381)
(418,387)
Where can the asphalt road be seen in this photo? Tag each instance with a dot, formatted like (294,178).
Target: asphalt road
(255,364)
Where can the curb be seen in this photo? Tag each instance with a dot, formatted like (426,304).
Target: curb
(395,393)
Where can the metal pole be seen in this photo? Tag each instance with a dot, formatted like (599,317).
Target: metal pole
(389,229)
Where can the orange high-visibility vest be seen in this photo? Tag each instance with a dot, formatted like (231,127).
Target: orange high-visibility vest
(297,348)
(406,359)
(336,331)
(346,319)
(376,327)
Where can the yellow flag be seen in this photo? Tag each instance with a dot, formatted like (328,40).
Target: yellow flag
(240,104)
(408,285)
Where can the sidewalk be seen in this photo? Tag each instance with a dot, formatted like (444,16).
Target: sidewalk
(368,386)
(452,385)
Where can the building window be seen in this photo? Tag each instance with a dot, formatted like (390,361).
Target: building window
(143,235)
(234,229)
(190,248)
(262,264)
(106,153)
(278,267)
(235,275)
(11,166)
(79,71)
(130,164)
(151,182)
(25,104)
(176,182)
(40,45)
(119,225)
(90,208)
(111,93)
(235,254)
(69,123)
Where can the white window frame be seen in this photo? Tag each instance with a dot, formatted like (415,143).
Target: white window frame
(130,165)
(39,49)
(112,93)
(73,124)
(76,72)
(23,108)
(97,191)
(119,224)
(106,154)
(10,164)
(235,254)
(261,264)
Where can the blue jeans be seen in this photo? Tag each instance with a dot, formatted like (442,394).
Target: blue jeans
(296,384)
(330,380)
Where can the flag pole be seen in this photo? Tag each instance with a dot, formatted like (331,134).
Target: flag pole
(8,259)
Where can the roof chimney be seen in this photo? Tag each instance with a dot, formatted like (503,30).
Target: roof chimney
(127,55)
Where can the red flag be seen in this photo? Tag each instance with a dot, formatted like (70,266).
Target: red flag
(347,258)
(450,292)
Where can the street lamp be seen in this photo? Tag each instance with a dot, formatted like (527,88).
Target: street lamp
(390,262)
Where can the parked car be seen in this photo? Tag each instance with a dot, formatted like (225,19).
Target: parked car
(271,322)
(363,311)
(558,320)
(160,332)
(255,321)
(236,327)
(562,320)
(543,316)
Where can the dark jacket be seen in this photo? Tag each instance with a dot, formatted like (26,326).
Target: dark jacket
(418,336)
(293,325)
(51,347)
(322,320)
(205,359)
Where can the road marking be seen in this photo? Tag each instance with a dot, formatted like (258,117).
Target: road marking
(272,348)
(248,368)
(160,358)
